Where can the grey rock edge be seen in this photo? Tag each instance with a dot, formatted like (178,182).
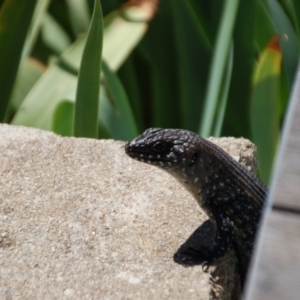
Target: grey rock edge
(81,220)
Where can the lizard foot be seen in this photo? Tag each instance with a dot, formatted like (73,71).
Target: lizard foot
(205,245)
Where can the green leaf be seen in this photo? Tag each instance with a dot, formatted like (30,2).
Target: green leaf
(290,10)
(35,26)
(59,80)
(291,46)
(63,121)
(224,94)
(218,66)
(130,79)
(53,34)
(63,118)
(265,33)
(123,30)
(237,122)
(88,87)
(15,19)
(192,64)
(79,15)
(38,107)
(103,132)
(201,26)
(158,65)
(123,125)
(29,73)
(265,107)
(297,15)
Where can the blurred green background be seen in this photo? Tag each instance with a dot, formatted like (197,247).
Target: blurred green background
(222,68)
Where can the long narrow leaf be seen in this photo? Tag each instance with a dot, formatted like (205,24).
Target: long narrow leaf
(291,47)
(15,18)
(263,16)
(54,35)
(297,15)
(29,73)
(79,15)
(236,120)
(289,6)
(38,108)
(131,80)
(63,121)
(218,66)
(224,94)
(126,126)
(34,29)
(87,96)
(192,64)
(63,118)
(202,26)
(265,107)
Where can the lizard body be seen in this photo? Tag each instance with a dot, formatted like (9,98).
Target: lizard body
(230,195)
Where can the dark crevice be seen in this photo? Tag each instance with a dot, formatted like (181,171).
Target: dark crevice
(291,210)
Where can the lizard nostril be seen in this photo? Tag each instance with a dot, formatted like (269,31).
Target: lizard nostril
(128,148)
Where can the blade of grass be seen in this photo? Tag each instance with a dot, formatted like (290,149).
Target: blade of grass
(218,66)
(88,87)
(15,19)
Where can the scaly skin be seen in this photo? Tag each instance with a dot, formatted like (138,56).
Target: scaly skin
(230,195)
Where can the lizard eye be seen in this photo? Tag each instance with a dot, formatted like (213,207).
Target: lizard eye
(159,146)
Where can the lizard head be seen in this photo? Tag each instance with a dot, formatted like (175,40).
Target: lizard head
(170,149)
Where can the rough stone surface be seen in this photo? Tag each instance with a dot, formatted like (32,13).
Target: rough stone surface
(81,220)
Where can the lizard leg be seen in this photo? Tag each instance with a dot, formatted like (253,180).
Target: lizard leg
(206,244)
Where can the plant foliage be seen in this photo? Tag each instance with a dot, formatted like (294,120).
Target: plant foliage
(208,66)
